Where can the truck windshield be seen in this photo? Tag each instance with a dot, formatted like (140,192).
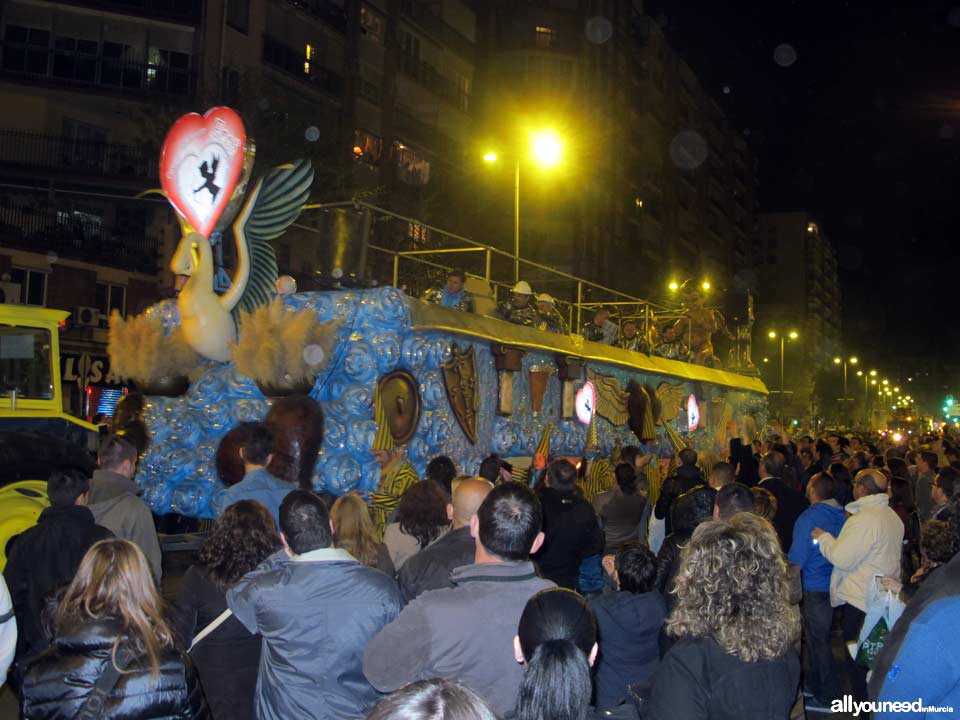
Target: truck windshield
(25,362)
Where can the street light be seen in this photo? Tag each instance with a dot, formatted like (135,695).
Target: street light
(852,360)
(546,149)
(792,335)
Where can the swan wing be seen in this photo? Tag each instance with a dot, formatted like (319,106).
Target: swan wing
(273,205)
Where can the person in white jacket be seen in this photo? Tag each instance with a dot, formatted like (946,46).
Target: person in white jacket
(8,631)
(868,546)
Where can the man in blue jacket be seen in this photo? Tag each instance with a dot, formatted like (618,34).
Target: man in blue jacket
(815,570)
(317,608)
(257,484)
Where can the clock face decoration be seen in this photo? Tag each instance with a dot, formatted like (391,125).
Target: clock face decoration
(586,403)
(693,412)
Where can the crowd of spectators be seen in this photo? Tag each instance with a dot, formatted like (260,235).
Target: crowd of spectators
(721,586)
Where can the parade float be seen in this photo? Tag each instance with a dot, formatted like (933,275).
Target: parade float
(393,376)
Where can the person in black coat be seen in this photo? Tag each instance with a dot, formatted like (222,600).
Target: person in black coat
(685,478)
(739,659)
(570,527)
(46,556)
(689,510)
(110,614)
(430,568)
(790,502)
(228,659)
(628,624)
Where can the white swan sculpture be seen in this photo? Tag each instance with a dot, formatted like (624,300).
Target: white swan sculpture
(209,321)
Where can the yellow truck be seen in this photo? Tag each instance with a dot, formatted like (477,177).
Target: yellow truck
(36,435)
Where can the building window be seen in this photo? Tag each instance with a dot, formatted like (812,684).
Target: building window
(372,24)
(367,146)
(238,15)
(308,56)
(111,297)
(33,285)
(84,144)
(412,167)
(461,85)
(25,49)
(546,37)
(168,70)
(409,44)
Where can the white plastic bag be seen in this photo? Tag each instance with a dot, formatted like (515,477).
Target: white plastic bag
(656,532)
(881,604)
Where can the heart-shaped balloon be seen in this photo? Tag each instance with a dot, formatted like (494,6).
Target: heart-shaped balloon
(201,163)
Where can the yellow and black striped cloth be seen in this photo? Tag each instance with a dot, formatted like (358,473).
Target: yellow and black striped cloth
(385,498)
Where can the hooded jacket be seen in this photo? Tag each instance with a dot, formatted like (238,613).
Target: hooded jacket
(869,545)
(42,559)
(58,681)
(116,505)
(628,625)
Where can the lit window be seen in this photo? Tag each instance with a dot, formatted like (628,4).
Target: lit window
(366,146)
(546,37)
(418,232)
(412,167)
(308,56)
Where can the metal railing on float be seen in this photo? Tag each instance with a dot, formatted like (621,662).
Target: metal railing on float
(578,295)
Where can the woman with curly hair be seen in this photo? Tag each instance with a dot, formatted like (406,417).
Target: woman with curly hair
(108,628)
(353,531)
(421,519)
(735,627)
(228,659)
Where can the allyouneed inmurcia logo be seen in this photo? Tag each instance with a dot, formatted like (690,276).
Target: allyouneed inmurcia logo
(847,704)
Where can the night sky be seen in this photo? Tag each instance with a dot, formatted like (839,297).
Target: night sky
(863,130)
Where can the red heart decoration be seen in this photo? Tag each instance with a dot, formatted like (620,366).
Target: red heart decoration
(201,163)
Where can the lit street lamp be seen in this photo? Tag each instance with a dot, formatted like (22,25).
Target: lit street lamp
(546,149)
(792,335)
(845,361)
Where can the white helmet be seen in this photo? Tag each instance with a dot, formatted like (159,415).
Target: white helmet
(544,297)
(522,288)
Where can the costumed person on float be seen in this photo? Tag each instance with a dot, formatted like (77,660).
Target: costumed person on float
(550,320)
(396,472)
(520,309)
(453,295)
(697,326)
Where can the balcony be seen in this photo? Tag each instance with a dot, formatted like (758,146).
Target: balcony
(422,14)
(291,62)
(63,155)
(47,230)
(74,68)
(187,11)
(323,10)
(429,77)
